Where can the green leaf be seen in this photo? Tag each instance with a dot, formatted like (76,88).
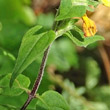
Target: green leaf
(79,39)
(20,85)
(32,46)
(51,100)
(74,8)
(68,10)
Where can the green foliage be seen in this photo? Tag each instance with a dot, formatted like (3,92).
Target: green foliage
(78,102)
(32,46)
(16,10)
(51,100)
(16,17)
(101,94)
(19,86)
(35,44)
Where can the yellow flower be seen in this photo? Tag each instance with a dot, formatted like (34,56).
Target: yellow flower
(89,26)
(106,2)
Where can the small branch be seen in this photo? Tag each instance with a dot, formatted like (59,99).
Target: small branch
(38,80)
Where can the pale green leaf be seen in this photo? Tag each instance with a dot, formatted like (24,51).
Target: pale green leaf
(51,100)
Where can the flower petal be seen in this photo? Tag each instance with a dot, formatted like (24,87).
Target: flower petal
(89,26)
(106,2)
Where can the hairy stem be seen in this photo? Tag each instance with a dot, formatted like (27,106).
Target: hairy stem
(38,80)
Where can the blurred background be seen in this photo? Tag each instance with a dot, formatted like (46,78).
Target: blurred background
(81,75)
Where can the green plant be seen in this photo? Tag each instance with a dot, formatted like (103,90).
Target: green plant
(38,40)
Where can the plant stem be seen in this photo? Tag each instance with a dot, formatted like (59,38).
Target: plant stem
(38,80)
(32,94)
